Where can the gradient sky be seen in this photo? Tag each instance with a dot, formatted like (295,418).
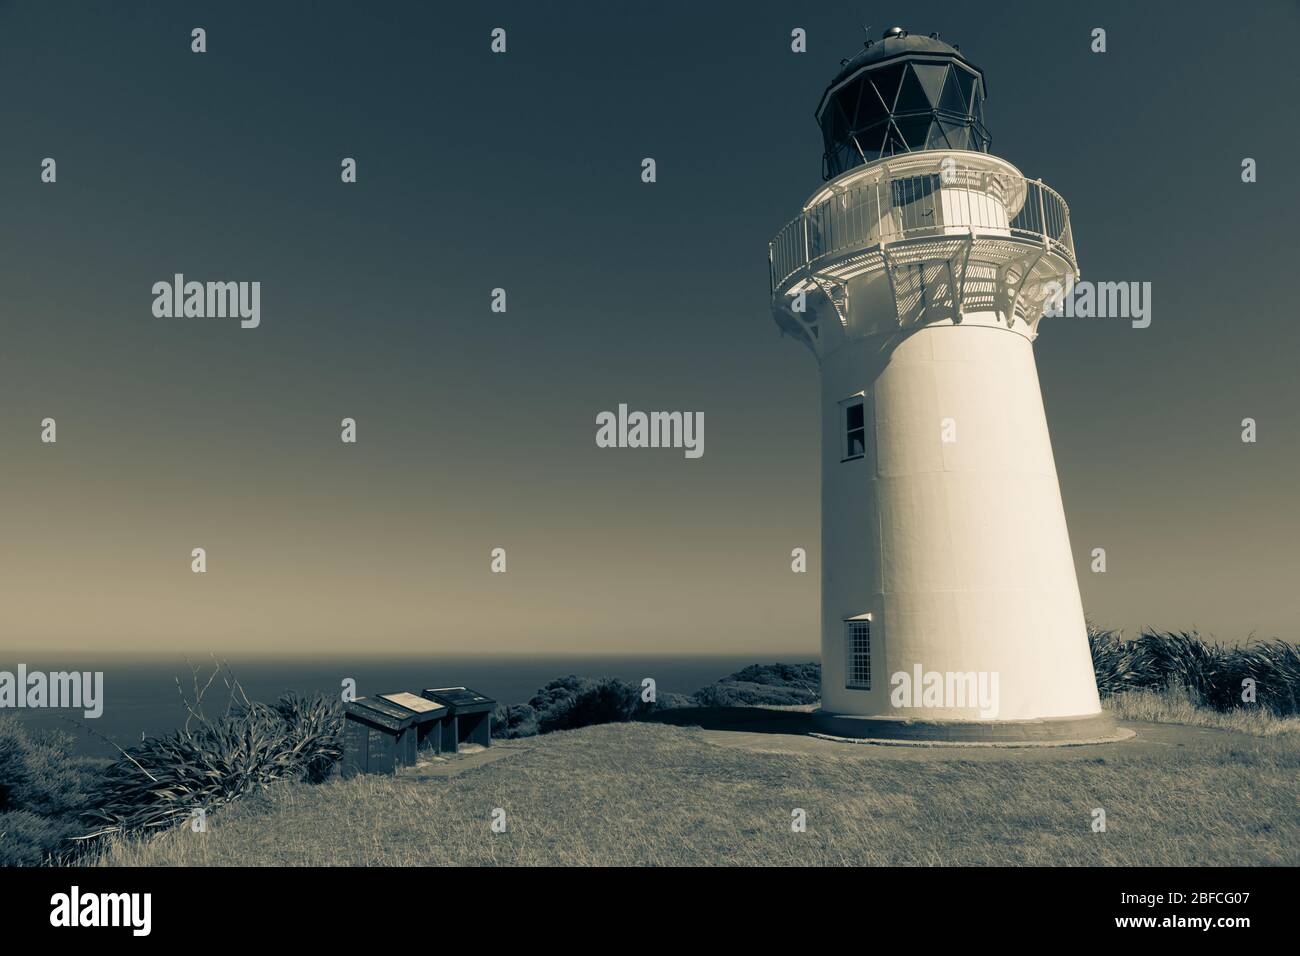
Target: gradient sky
(476,430)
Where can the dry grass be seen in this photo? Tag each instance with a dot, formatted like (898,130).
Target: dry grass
(1177,705)
(656,794)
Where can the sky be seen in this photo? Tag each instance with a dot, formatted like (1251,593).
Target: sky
(475,428)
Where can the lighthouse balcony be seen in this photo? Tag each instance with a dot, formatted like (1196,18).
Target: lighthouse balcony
(933,200)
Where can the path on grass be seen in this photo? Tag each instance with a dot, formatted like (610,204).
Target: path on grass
(786,731)
(782,732)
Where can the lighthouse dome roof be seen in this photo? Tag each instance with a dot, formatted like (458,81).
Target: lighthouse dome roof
(896,45)
(902,93)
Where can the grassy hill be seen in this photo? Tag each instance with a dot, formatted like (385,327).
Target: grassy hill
(593,773)
(650,793)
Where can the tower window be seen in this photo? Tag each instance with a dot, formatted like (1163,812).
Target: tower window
(857,646)
(855,432)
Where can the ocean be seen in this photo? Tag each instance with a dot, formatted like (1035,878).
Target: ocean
(141,696)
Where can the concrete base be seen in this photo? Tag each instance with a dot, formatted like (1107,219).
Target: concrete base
(1062,731)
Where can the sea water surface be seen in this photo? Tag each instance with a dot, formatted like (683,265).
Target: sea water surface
(143,696)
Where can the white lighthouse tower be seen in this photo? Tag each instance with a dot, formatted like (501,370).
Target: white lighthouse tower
(917,275)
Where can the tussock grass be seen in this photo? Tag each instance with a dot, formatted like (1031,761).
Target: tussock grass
(1214,675)
(662,795)
(211,762)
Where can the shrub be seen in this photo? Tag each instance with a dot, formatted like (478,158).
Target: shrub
(667,700)
(38,771)
(43,789)
(570,702)
(770,684)
(807,676)
(514,720)
(161,781)
(13,749)
(30,840)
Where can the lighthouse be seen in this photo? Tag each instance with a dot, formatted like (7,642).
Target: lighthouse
(917,274)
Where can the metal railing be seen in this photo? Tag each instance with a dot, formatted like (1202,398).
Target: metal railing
(929,205)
